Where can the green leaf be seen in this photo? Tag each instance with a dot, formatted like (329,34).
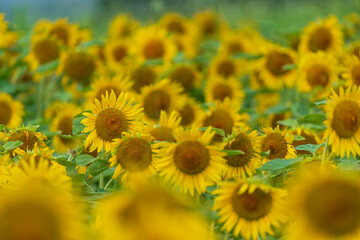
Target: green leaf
(91,43)
(78,127)
(12,145)
(50,134)
(98,167)
(247,56)
(278,164)
(84,159)
(47,66)
(265,154)
(310,147)
(288,67)
(80,115)
(154,62)
(298,138)
(71,136)
(210,45)
(322,102)
(314,118)
(280,108)
(288,122)
(65,162)
(218,131)
(231,152)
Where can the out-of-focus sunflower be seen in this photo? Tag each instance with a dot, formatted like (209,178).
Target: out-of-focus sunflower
(28,136)
(117,54)
(152,43)
(7,37)
(191,113)
(134,157)
(240,166)
(354,48)
(191,164)
(143,76)
(250,209)
(63,122)
(266,100)
(277,143)
(351,71)
(209,24)
(225,66)
(122,26)
(324,206)
(185,74)
(324,35)
(317,70)
(235,42)
(164,95)
(109,119)
(343,121)
(11,111)
(54,108)
(167,125)
(218,88)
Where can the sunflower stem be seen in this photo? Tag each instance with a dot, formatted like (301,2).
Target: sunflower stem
(40,96)
(212,227)
(101,182)
(89,186)
(108,183)
(324,159)
(226,235)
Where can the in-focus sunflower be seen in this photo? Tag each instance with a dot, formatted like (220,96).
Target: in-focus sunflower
(185,74)
(28,136)
(225,66)
(134,157)
(63,122)
(117,54)
(352,71)
(164,95)
(152,43)
(191,113)
(343,121)
(163,131)
(277,143)
(324,35)
(191,163)
(250,209)
(325,206)
(11,111)
(143,76)
(122,26)
(109,119)
(241,166)
(218,88)
(317,70)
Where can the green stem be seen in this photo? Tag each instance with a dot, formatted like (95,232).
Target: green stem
(108,183)
(40,96)
(197,199)
(101,182)
(212,227)
(324,159)
(89,186)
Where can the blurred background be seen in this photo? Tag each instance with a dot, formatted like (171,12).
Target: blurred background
(269,15)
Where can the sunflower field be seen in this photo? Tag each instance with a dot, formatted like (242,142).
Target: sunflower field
(180,128)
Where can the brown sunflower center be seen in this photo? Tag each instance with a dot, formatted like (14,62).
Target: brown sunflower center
(191,157)
(143,76)
(209,26)
(275,62)
(187,115)
(124,31)
(60,33)
(220,119)
(243,143)
(46,50)
(235,47)
(346,118)
(162,134)
(156,101)
(154,49)
(226,68)
(309,139)
(277,145)
(110,123)
(65,126)
(355,74)
(27,138)
(119,53)
(175,27)
(318,75)
(333,207)
(5,113)
(183,75)
(356,51)
(320,39)
(86,150)
(134,154)
(251,206)
(102,91)
(79,66)
(221,91)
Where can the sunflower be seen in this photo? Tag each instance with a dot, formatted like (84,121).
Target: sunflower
(225,66)
(277,143)
(354,48)
(235,42)
(7,37)
(134,157)
(209,24)
(164,95)
(352,71)
(317,70)
(191,163)
(325,206)
(272,67)
(163,131)
(219,88)
(152,43)
(117,54)
(250,209)
(143,76)
(118,83)
(309,138)
(191,113)
(109,119)
(240,166)
(343,121)
(266,100)
(63,122)
(28,136)
(185,74)
(122,26)
(324,35)
(11,111)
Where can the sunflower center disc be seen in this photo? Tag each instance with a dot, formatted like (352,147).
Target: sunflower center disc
(355,73)
(276,61)
(251,206)
(183,75)
(143,76)
(226,68)
(243,143)
(346,118)
(46,50)
(187,115)
(191,157)
(27,138)
(175,27)
(154,49)
(156,101)
(276,143)
(134,154)
(5,113)
(221,91)
(60,33)
(334,207)
(318,75)
(162,134)
(220,119)
(110,123)
(235,47)
(65,126)
(79,66)
(119,53)
(320,39)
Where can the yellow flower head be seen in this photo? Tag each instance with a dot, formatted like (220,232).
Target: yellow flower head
(11,111)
